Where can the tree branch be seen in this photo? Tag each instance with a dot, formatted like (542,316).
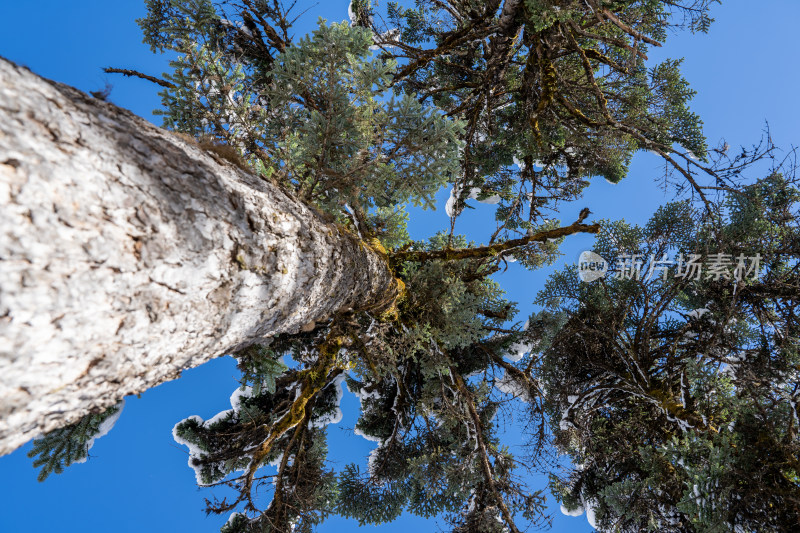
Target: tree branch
(485,465)
(136,74)
(496,249)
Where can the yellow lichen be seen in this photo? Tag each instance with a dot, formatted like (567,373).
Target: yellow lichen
(376,245)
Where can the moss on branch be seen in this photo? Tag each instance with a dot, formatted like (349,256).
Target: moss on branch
(494,249)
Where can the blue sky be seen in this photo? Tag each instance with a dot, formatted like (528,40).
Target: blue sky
(745,72)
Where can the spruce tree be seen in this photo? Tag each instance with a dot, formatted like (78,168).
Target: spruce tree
(516,104)
(676,397)
(508,105)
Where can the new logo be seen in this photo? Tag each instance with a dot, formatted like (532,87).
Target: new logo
(591,266)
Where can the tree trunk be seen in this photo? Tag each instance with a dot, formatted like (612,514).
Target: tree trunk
(128,254)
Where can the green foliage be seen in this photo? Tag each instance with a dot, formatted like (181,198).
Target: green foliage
(169,24)
(260,366)
(237,523)
(670,97)
(390,226)
(368,502)
(528,138)
(68,445)
(446,305)
(677,396)
(321,122)
(345,123)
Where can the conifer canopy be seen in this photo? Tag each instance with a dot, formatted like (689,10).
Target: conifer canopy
(675,399)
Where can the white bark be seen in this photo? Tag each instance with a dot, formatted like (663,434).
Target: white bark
(128,255)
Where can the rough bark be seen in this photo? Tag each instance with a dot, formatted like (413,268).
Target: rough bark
(128,255)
